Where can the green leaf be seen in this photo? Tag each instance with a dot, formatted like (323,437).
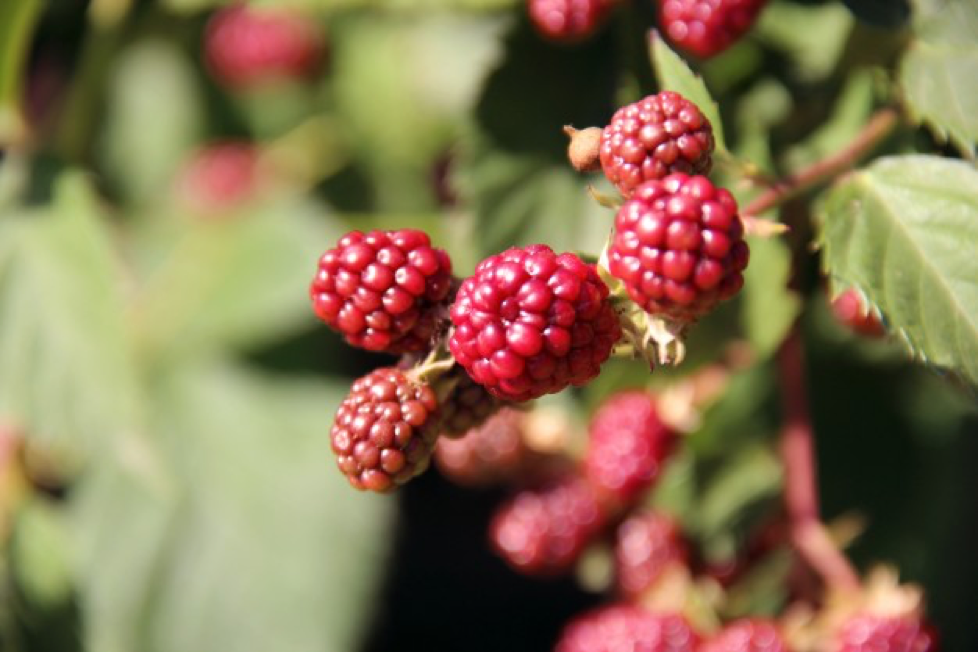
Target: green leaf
(675,75)
(813,36)
(237,282)
(40,554)
(937,71)
(17,21)
(902,232)
(66,372)
(768,307)
(752,476)
(231,529)
(143,160)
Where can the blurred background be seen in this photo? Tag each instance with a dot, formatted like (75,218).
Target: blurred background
(171,174)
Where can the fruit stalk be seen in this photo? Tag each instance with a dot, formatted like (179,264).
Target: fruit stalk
(874,131)
(808,533)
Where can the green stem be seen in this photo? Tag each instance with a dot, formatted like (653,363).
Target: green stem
(18,19)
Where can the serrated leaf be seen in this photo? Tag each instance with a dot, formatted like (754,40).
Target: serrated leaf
(66,372)
(768,307)
(902,232)
(233,283)
(937,71)
(674,74)
(230,529)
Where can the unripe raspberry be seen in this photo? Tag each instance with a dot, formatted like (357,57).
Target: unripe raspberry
(488,454)
(875,633)
(467,406)
(531,322)
(627,446)
(385,430)
(382,290)
(544,532)
(679,247)
(655,137)
(647,544)
(219,177)
(627,627)
(567,21)
(245,45)
(747,635)
(850,310)
(707,27)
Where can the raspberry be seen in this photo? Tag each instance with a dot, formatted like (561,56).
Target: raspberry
(382,290)
(219,177)
(544,532)
(468,405)
(627,627)
(647,544)
(627,445)
(530,322)
(385,430)
(850,310)
(488,454)
(746,635)
(678,247)
(654,137)
(707,27)
(245,46)
(873,633)
(567,21)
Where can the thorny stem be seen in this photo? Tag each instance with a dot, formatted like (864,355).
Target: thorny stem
(808,533)
(878,127)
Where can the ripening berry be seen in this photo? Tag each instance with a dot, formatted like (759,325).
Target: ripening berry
(567,21)
(219,177)
(647,544)
(487,454)
(851,311)
(626,627)
(531,322)
(876,633)
(747,635)
(707,27)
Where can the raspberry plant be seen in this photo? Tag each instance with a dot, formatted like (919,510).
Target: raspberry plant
(643,324)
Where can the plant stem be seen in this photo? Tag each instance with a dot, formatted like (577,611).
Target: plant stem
(878,127)
(808,533)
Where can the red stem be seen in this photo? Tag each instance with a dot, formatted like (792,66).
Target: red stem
(808,533)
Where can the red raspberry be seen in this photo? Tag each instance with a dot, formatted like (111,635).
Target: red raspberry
(627,627)
(488,454)
(567,21)
(647,544)
(747,635)
(219,177)
(530,322)
(385,430)
(654,137)
(707,27)
(468,405)
(627,445)
(873,633)
(245,45)
(679,247)
(382,290)
(544,532)
(850,310)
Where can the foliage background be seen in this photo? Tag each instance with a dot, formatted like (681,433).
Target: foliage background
(178,493)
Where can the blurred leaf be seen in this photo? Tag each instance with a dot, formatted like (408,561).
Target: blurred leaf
(883,13)
(764,588)
(236,282)
(674,75)
(40,552)
(850,114)
(146,139)
(812,35)
(17,21)
(768,307)
(233,531)
(937,71)
(896,232)
(738,417)
(750,476)
(65,367)
(331,6)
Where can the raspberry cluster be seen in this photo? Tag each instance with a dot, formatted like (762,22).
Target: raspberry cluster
(531,322)
(647,544)
(245,46)
(491,453)
(679,247)
(627,627)
(385,430)
(876,633)
(567,21)
(382,290)
(747,635)
(219,177)
(654,137)
(707,27)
